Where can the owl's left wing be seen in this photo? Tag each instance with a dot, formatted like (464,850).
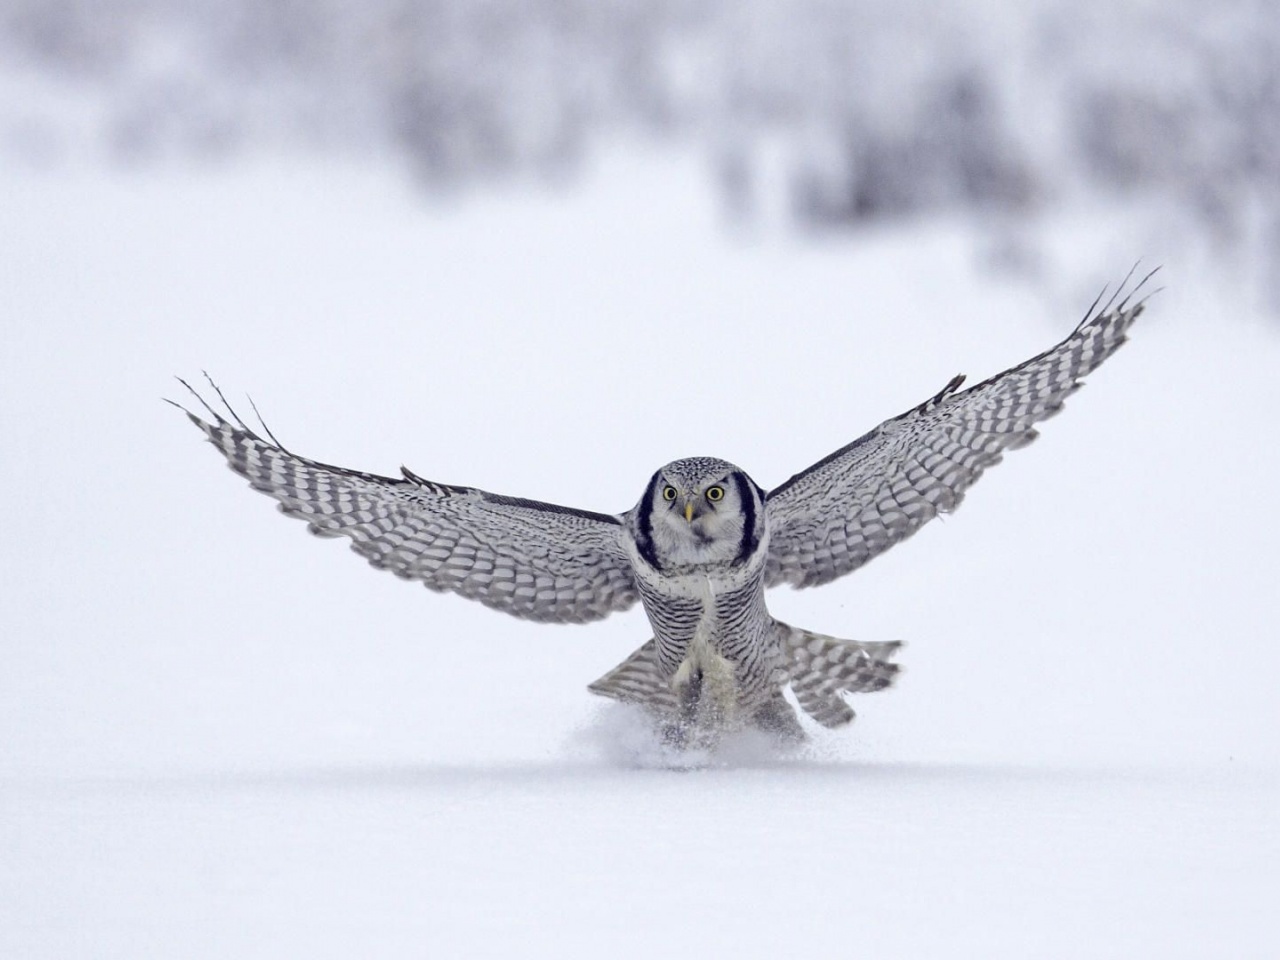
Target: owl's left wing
(534,560)
(859,501)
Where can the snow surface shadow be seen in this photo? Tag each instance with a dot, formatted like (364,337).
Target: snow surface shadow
(619,748)
(556,774)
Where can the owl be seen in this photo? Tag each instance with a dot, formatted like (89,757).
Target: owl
(702,546)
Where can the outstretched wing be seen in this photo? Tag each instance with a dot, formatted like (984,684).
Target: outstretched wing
(880,489)
(533,560)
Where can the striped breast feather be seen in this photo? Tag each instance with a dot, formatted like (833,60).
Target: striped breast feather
(856,503)
(534,560)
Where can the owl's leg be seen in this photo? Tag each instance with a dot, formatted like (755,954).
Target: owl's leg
(777,717)
(679,730)
(699,719)
(675,734)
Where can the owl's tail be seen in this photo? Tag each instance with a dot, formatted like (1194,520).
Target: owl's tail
(824,668)
(639,679)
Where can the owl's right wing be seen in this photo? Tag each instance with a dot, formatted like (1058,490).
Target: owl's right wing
(858,502)
(534,560)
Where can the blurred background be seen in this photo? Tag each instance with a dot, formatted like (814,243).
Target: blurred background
(543,247)
(821,115)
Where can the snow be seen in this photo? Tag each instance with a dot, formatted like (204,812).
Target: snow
(226,739)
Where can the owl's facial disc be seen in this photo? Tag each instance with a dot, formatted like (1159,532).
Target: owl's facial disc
(694,512)
(695,504)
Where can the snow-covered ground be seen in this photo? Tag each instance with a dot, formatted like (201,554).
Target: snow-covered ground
(223,738)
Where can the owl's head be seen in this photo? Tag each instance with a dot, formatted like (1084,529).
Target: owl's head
(699,511)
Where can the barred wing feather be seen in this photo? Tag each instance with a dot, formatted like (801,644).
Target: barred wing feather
(534,560)
(859,501)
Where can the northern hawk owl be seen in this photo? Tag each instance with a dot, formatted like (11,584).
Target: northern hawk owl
(701,546)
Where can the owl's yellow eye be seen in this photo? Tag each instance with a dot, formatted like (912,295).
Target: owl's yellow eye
(715,493)
(668,493)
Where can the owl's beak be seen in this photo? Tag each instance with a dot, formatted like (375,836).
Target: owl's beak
(688,511)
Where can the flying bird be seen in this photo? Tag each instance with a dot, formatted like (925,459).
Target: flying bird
(702,545)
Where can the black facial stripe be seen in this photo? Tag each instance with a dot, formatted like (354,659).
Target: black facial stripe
(750,535)
(644,524)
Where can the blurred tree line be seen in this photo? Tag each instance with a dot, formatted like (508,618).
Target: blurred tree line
(836,111)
